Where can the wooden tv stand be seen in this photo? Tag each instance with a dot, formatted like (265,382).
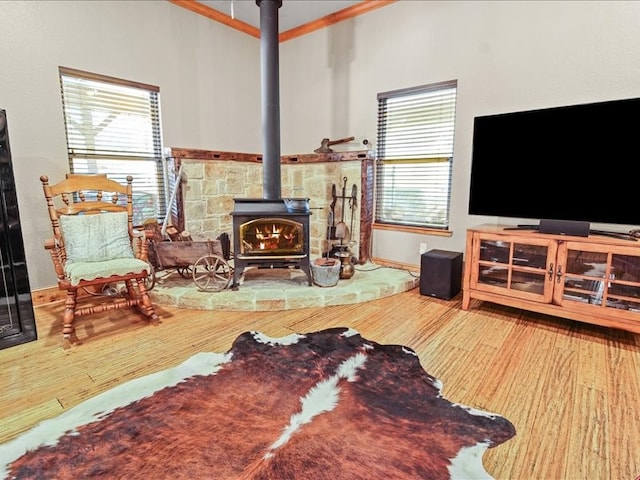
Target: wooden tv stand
(593,279)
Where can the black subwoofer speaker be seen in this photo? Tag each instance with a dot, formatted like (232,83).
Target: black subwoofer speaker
(440,274)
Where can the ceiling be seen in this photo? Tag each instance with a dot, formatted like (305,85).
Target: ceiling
(292,13)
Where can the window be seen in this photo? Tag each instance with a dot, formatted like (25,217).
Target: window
(113,127)
(415,156)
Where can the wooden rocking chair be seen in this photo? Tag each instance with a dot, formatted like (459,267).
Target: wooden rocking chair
(95,247)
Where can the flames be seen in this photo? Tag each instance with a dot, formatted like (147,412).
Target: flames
(268,237)
(271,236)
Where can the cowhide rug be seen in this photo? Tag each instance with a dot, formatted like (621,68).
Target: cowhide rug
(324,405)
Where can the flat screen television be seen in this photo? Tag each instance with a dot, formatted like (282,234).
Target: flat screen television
(571,163)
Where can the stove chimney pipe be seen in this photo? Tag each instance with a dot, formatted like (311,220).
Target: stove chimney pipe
(269,62)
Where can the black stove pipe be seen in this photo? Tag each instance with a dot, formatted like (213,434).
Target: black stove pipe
(269,63)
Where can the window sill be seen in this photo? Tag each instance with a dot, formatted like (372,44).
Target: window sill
(407,229)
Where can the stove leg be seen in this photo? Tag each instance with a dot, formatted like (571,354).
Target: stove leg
(306,267)
(237,273)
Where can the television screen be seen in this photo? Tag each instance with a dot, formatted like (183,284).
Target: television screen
(574,162)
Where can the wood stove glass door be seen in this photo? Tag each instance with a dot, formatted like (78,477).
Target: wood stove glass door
(272,236)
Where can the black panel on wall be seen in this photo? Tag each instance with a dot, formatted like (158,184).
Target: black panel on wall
(17,321)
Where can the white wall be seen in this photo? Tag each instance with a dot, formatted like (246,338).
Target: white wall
(506,56)
(208,74)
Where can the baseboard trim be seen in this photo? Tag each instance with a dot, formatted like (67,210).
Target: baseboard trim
(389,263)
(44,296)
(47,295)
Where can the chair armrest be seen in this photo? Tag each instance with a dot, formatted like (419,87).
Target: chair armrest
(140,244)
(58,256)
(146,234)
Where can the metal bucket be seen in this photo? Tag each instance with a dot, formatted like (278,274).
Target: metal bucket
(326,272)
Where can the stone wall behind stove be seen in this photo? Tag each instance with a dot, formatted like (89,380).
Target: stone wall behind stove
(209,187)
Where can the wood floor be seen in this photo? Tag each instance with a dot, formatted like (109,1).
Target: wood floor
(572,390)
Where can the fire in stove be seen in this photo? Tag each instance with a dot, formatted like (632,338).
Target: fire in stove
(271,236)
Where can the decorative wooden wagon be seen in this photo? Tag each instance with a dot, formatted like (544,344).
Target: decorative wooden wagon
(203,261)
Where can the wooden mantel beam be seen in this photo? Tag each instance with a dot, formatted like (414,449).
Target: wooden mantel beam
(195,154)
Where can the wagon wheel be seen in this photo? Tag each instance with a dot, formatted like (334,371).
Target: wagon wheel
(185,272)
(211,273)
(150,281)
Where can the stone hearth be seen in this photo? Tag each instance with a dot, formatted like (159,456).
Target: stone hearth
(282,289)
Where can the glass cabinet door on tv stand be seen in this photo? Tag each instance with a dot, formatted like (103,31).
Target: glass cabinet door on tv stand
(594,279)
(513,267)
(600,279)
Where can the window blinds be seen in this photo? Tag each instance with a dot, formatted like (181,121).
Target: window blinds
(415,155)
(113,127)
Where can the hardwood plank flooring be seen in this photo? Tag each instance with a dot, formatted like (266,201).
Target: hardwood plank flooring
(572,390)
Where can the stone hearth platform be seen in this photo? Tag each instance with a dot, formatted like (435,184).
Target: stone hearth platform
(282,289)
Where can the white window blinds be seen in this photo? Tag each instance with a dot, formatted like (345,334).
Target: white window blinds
(415,156)
(113,127)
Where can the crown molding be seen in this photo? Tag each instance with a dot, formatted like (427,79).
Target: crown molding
(345,14)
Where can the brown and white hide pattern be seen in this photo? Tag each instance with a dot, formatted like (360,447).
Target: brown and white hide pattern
(324,405)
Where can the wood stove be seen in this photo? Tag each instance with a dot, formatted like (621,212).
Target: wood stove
(268,235)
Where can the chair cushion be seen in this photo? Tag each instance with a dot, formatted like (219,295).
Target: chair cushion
(78,271)
(96,238)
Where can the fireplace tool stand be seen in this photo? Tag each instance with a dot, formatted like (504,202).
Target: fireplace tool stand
(341,231)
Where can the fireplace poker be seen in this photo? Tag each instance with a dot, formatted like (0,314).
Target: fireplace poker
(332,213)
(330,231)
(341,228)
(353,203)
